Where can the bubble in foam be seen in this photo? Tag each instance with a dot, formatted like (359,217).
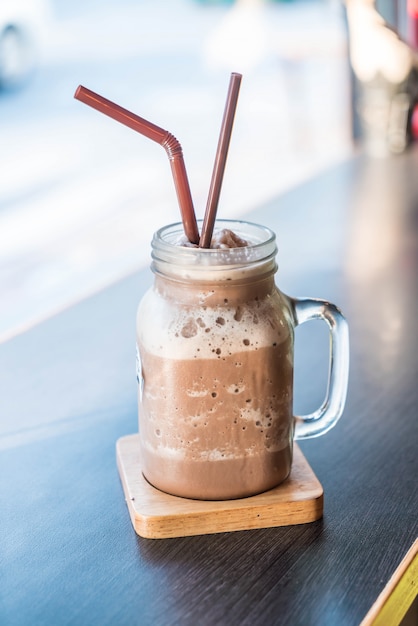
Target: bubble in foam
(236,388)
(189,329)
(238,314)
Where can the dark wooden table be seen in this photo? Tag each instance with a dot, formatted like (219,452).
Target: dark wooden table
(68,551)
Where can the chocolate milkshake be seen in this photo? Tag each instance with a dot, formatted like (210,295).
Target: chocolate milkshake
(215,340)
(215,345)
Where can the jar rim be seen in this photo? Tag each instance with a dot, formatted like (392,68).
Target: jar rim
(262,246)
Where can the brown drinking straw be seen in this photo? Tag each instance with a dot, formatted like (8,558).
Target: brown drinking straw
(220,161)
(161,136)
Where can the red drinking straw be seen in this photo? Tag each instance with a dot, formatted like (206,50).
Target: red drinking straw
(220,161)
(161,136)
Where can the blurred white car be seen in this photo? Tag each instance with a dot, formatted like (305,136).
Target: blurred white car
(23,26)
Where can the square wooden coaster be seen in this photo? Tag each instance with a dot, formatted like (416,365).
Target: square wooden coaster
(158,515)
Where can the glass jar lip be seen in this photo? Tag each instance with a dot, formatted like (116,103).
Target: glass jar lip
(165,245)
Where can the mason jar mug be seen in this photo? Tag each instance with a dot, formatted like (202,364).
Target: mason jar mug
(215,346)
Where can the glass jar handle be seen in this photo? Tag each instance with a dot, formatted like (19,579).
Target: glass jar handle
(323,419)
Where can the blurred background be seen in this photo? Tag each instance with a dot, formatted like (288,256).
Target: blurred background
(81,195)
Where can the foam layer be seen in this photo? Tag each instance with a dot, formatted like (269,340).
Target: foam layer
(224,238)
(207,332)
